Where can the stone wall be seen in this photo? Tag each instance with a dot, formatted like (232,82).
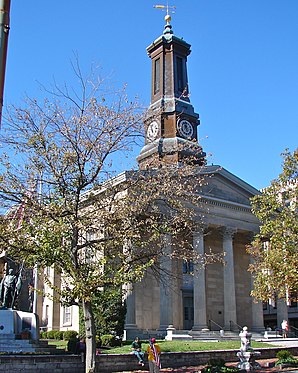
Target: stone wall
(118,363)
(39,363)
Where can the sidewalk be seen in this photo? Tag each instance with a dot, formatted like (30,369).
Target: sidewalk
(285,342)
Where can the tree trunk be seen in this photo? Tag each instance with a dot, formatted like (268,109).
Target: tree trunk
(90,337)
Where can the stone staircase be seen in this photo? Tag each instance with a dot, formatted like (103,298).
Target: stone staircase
(12,344)
(201,335)
(210,335)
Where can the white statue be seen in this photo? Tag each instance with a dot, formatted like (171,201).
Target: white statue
(245,339)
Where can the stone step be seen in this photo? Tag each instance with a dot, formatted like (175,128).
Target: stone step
(26,345)
(212,335)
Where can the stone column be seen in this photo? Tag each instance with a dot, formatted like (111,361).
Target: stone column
(257,316)
(257,324)
(130,299)
(165,284)
(282,312)
(230,314)
(199,284)
(130,319)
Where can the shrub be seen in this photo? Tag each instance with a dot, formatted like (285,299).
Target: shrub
(110,340)
(43,335)
(284,354)
(51,334)
(58,334)
(106,339)
(98,341)
(285,357)
(70,334)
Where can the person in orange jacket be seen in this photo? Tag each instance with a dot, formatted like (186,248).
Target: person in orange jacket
(153,351)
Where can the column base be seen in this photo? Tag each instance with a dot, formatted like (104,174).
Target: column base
(164,327)
(201,328)
(258,329)
(202,332)
(130,332)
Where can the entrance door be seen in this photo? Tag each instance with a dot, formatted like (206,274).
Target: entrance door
(188,311)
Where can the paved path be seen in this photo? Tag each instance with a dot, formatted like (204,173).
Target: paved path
(286,342)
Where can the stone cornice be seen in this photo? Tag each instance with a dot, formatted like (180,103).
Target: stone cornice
(226,204)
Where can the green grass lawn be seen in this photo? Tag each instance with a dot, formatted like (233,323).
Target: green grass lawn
(184,346)
(174,346)
(58,343)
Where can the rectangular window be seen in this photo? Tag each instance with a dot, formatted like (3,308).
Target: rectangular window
(188,267)
(47,315)
(67,315)
(156,75)
(180,79)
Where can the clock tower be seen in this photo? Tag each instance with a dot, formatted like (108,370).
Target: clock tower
(171,123)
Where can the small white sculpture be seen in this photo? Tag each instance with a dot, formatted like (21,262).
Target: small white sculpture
(245,339)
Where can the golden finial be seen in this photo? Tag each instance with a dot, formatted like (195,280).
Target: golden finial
(169,9)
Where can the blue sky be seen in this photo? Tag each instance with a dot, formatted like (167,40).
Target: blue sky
(243,69)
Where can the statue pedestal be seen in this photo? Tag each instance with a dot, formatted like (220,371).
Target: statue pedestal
(247,355)
(14,322)
(7,322)
(248,360)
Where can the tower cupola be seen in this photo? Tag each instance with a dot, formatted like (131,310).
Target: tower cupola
(171,123)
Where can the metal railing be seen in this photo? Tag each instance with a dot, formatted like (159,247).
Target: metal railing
(293,331)
(235,327)
(210,322)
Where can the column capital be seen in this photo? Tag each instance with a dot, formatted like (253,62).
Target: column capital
(228,232)
(199,229)
(251,235)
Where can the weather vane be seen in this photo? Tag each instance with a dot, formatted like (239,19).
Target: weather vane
(168,8)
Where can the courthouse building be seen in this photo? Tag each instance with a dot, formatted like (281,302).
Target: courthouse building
(194,299)
(191,299)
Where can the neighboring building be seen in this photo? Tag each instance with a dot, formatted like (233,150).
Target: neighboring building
(54,316)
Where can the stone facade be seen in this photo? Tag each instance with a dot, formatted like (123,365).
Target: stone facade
(213,297)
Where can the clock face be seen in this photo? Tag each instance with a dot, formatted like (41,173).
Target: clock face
(152,130)
(185,128)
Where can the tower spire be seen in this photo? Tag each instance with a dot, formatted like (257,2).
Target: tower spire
(168,9)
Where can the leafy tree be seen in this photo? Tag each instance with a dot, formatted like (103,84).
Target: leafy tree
(109,312)
(67,208)
(275,248)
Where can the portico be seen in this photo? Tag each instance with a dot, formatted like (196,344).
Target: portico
(215,296)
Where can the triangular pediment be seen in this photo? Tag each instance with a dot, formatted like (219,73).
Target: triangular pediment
(225,186)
